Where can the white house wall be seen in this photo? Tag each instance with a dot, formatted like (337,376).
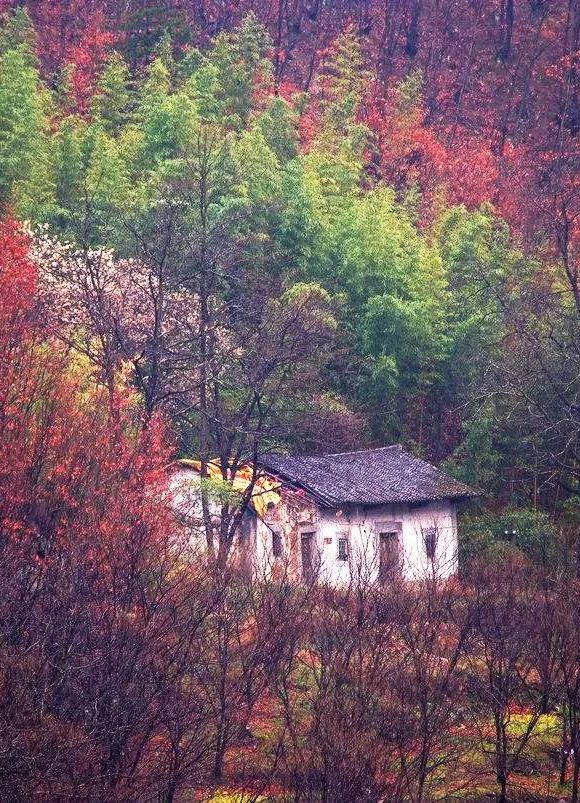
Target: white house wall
(362,527)
(294,515)
(185,488)
(442,516)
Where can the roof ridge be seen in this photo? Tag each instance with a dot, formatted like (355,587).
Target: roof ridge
(355,451)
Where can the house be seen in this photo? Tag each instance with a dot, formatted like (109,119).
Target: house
(379,513)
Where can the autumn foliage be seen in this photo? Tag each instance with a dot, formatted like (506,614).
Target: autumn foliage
(499,80)
(87,538)
(306,226)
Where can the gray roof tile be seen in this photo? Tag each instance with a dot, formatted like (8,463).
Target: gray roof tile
(370,477)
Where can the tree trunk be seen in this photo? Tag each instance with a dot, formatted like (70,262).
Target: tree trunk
(508,27)
(412,44)
(564,751)
(218,764)
(574,743)
(500,757)
(575,779)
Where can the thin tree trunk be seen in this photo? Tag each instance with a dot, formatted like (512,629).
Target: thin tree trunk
(412,44)
(564,748)
(500,758)
(505,48)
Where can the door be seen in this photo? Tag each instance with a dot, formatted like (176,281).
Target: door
(389,557)
(307,555)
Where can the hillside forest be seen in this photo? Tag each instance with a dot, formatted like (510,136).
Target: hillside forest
(231,227)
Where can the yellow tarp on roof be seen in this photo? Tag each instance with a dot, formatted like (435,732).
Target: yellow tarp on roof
(265,490)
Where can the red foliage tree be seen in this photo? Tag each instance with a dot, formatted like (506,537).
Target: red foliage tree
(97,600)
(85,60)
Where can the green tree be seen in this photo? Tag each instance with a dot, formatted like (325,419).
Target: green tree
(257,168)
(240,59)
(112,98)
(203,87)
(168,120)
(396,301)
(23,122)
(106,177)
(148,24)
(67,159)
(530,531)
(341,85)
(278,124)
(163,51)
(484,271)
(18,32)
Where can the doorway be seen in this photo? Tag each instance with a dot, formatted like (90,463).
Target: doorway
(389,556)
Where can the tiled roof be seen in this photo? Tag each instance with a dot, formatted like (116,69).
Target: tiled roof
(371,477)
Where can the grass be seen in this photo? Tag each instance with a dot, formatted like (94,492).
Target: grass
(548,725)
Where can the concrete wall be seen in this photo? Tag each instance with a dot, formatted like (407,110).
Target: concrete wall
(185,488)
(361,528)
(184,485)
(296,514)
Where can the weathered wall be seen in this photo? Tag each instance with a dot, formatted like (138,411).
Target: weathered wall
(185,486)
(295,514)
(362,527)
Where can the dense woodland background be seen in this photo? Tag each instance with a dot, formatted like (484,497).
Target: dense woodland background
(311,226)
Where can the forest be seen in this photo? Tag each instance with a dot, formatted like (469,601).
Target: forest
(309,226)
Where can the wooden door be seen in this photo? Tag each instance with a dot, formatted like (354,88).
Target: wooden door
(389,557)
(307,555)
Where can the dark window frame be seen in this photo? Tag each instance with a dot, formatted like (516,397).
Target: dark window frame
(343,549)
(430,541)
(277,544)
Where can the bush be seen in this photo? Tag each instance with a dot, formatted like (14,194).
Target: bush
(528,531)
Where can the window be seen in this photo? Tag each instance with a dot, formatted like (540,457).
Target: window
(342,548)
(276,544)
(430,539)
(309,562)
